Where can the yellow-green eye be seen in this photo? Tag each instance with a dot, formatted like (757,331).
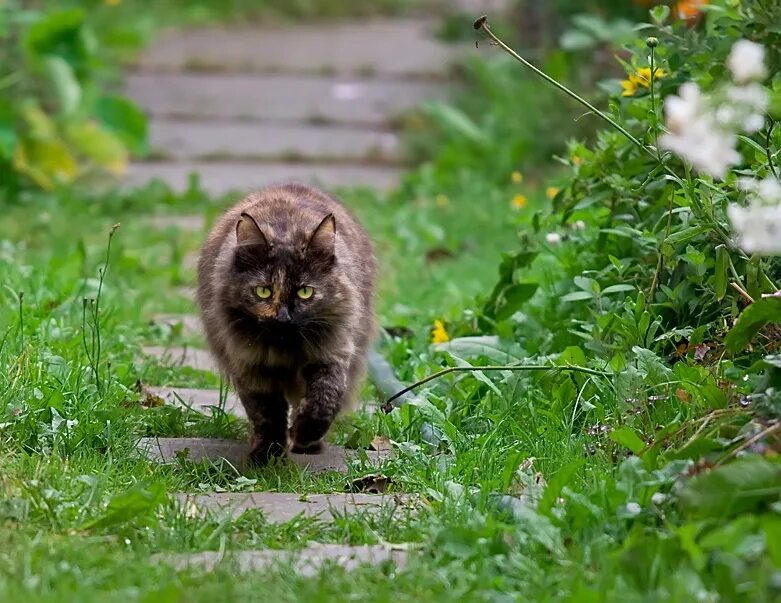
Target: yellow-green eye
(305,292)
(263,292)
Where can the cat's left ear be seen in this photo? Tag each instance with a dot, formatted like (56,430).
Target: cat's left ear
(323,238)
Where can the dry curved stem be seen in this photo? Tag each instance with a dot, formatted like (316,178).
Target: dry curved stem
(482,24)
(388,405)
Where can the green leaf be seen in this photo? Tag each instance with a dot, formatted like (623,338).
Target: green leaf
(577,296)
(660,13)
(512,298)
(54,32)
(123,117)
(455,121)
(8,137)
(618,288)
(63,80)
(628,438)
(562,478)
(136,502)
(486,346)
(751,321)
(720,274)
(102,147)
(737,487)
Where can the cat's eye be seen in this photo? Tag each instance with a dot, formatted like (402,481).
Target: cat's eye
(305,292)
(263,292)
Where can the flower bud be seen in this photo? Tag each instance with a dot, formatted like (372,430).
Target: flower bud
(652,42)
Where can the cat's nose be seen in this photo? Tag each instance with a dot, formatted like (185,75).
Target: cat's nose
(283,315)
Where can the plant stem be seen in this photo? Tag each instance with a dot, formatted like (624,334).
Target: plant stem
(654,125)
(482,23)
(767,148)
(388,406)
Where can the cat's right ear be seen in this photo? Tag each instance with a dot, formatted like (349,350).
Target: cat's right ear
(248,233)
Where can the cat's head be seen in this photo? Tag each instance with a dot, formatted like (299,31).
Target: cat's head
(284,283)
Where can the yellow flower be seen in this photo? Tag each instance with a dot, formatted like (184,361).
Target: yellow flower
(441,200)
(629,86)
(641,78)
(113,2)
(519,201)
(517,177)
(439,335)
(551,192)
(576,160)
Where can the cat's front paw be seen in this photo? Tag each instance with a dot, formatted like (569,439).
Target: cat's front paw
(307,448)
(263,451)
(307,435)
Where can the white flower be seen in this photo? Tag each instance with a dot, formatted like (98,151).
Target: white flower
(683,109)
(553,238)
(658,498)
(695,134)
(706,146)
(746,61)
(758,227)
(633,509)
(579,225)
(769,191)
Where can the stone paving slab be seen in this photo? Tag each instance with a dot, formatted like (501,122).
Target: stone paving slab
(307,562)
(333,458)
(195,358)
(219,178)
(190,324)
(388,47)
(201,400)
(281,507)
(277,97)
(186,139)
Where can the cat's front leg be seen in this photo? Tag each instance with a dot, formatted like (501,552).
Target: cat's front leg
(326,385)
(267,412)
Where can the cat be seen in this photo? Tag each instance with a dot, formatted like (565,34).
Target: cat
(286,283)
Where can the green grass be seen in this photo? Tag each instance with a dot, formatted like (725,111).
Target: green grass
(67,436)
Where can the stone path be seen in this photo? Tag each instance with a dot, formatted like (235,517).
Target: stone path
(247,106)
(307,562)
(244,107)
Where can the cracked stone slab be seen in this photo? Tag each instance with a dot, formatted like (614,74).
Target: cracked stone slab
(281,507)
(195,358)
(223,177)
(166,450)
(187,139)
(307,562)
(277,97)
(385,47)
(201,400)
(190,324)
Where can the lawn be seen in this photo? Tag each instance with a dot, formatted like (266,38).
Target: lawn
(628,450)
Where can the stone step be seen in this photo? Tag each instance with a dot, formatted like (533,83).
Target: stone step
(386,47)
(186,139)
(281,507)
(200,400)
(313,99)
(240,178)
(306,562)
(166,450)
(195,358)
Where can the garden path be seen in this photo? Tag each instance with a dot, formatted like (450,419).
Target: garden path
(242,107)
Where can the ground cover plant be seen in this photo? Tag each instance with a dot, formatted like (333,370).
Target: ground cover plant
(651,474)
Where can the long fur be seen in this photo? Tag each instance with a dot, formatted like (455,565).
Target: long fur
(309,355)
